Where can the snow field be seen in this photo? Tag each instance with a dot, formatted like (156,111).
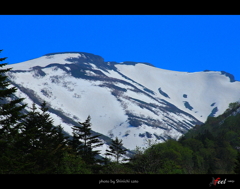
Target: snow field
(195,85)
(45,60)
(109,118)
(92,97)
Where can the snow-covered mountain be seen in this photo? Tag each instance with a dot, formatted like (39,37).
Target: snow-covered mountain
(129,100)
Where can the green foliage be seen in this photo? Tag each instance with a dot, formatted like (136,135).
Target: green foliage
(83,142)
(168,158)
(73,164)
(10,122)
(116,149)
(146,162)
(193,144)
(40,143)
(206,149)
(233,105)
(237,164)
(170,167)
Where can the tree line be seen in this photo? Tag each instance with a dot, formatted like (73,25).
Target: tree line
(31,144)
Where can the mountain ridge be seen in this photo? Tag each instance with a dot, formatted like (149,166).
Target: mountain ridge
(134,101)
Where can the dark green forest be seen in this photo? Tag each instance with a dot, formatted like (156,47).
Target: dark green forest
(30,143)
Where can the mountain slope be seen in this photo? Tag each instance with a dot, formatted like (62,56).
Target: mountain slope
(131,101)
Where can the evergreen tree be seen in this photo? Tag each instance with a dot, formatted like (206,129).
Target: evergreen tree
(84,142)
(10,122)
(10,108)
(41,144)
(237,167)
(116,149)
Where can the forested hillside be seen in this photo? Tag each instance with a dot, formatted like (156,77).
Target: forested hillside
(207,149)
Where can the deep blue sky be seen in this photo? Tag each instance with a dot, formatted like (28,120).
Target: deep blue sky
(174,42)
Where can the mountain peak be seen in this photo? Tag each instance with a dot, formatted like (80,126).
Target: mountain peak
(130,100)
(82,56)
